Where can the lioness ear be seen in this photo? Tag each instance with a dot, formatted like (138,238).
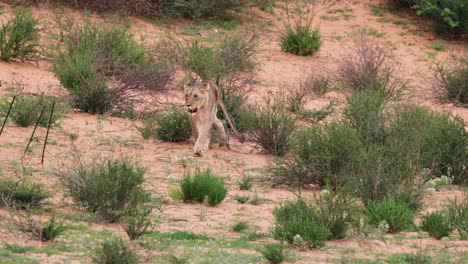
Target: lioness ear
(186,86)
(205,87)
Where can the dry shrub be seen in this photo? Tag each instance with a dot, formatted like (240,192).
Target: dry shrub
(451,80)
(370,66)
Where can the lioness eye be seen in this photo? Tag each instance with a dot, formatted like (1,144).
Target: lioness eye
(186,95)
(195,96)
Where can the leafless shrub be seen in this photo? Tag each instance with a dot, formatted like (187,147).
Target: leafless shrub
(451,80)
(370,66)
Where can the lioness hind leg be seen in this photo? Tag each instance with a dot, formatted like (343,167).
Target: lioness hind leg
(221,132)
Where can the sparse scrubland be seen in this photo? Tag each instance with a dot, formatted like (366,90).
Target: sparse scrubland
(363,158)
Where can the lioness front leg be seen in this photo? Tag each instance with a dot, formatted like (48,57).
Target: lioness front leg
(203,140)
(194,136)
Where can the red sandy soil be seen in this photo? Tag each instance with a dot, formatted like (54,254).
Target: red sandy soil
(114,137)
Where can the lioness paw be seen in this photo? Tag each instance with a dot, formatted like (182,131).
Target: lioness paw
(200,150)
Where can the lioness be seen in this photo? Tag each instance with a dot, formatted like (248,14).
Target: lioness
(202,99)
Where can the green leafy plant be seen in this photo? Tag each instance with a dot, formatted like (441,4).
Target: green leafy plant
(22,194)
(240,226)
(396,214)
(338,211)
(437,225)
(93,54)
(110,188)
(450,16)
(298,37)
(44,231)
(19,37)
(171,125)
(115,251)
(52,229)
(201,185)
(273,252)
(299,218)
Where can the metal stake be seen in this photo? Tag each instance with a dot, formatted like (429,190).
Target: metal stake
(35,127)
(8,113)
(47,134)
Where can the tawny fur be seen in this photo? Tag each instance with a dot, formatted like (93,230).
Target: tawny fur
(201,100)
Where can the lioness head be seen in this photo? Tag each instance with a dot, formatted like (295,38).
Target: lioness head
(196,95)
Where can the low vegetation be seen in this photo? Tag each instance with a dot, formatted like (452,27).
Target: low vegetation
(115,251)
(457,213)
(274,253)
(299,219)
(437,225)
(27,108)
(298,36)
(271,126)
(93,54)
(396,214)
(19,37)
(22,194)
(202,185)
(109,188)
(451,81)
(370,66)
(172,125)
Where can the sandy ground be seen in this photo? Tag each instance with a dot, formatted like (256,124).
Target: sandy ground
(114,137)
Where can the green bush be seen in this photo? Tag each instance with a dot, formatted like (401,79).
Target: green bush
(301,41)
(437,225)
(329,152)
(366,113)
(173,125)
(240,226)
(52,229)
(93,55)
(451,81)
(273,253)
(22,194)
(203,184)
(115,251)
(110,188)
(457,212)
(435,140)
(19,37)
(397,214)
(203,8)
(272,126)
(338,211)
(27,108)
(137,222)
(450,15)
(298,218)
(224,60)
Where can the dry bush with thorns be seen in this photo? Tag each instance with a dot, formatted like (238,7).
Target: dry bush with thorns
(370,65)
